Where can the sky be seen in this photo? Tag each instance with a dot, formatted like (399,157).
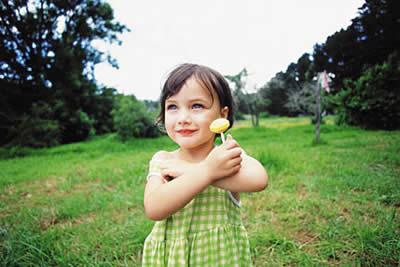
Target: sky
(262,36)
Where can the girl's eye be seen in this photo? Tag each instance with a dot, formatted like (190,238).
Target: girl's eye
(197,106)
(171,107)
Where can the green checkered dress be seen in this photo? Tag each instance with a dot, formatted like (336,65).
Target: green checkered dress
(208,231)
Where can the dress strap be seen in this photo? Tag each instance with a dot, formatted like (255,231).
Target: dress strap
(234,200)
(154,170)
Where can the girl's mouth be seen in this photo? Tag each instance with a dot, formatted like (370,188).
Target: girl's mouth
(186,132)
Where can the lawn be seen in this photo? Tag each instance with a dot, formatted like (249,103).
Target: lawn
(333,204)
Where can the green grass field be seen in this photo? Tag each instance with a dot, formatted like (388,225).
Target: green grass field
(333,204)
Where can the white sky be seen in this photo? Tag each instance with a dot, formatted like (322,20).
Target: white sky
(263,36)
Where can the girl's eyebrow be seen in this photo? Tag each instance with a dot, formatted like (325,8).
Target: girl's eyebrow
(198,99)
(170,100)
(201,99)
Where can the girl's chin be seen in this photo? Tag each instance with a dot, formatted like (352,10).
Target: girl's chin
(189,144)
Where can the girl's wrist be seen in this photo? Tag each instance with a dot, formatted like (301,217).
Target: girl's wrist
(205,170)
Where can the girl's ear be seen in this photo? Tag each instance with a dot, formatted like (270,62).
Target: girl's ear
(225,112)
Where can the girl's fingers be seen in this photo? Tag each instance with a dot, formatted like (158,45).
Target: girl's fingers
(236,168)
(234,153)
(165,172)
(236,161)
(229,144)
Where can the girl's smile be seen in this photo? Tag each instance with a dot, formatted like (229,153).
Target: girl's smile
(186,132)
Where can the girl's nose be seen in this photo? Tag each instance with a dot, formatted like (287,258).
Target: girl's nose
(184,117)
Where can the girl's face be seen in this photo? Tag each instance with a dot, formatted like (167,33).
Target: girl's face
(189,113)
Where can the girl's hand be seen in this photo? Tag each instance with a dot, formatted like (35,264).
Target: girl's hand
(223,160)
(173,168)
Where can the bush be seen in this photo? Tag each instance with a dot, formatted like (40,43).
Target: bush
(131,119)
(76,126)
(238,116)
(313,120)
(264,115)
(373,100)
(37,129)
(14,152)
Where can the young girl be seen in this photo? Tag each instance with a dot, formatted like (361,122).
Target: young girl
(193,192)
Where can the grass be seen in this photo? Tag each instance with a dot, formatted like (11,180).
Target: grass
(332,204)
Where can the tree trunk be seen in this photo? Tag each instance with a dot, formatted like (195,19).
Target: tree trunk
(318,114)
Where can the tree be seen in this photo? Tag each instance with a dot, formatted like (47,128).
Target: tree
(286,90)
(361,57)
(368,41)
(340,55)
(276,92)
(302,101)
(247,103)
(239,96)
(304,69)
(47,56)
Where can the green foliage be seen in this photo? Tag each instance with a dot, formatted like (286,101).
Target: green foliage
(238,116)
(290,93)
(369,40)
(264,115)
(239,95)
(373,100)
(47,56)
(101,110)
(246,103)
(37,129)
(81,125)
(131,119)
(276,92)
(303,101)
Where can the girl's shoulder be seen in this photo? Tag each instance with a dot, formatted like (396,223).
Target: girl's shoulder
(163,155)
(156,163)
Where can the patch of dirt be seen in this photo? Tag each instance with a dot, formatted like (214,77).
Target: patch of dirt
(51,220)
(87,218)
(46,185)
(301,191)
(10,190)
(48,219)
(84,186)
(25,194)
(305,238)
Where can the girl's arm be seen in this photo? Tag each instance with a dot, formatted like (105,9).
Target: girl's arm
(162,199)
(252,176)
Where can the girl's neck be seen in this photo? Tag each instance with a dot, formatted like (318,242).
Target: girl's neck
(197,154)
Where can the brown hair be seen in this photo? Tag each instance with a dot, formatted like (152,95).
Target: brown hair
(207,77)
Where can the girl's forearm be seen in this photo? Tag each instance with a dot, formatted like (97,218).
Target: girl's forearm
(170,197)
(252,177)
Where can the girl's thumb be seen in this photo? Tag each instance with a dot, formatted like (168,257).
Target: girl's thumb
(229,137)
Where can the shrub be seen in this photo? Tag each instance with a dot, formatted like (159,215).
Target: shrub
(373,100)
(76,126)
(37,129)
(238,116)
(131,119)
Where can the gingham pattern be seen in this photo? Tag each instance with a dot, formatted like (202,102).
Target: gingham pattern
(208,231)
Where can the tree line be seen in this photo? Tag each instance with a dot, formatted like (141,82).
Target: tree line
(49,94)
(363,62)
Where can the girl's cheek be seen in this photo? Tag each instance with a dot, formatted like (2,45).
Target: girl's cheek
(203,116)
(169,117)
